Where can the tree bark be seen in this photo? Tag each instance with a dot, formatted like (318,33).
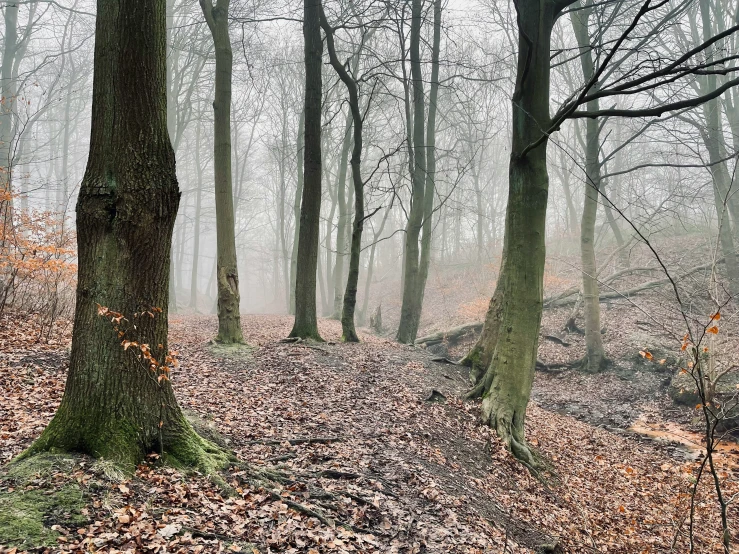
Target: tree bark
(113,406)
(306,320)
(296,213)
(410,311)
(196,231)
(595,358)
(504,358)
(229,314)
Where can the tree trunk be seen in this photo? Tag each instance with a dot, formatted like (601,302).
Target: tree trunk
(7,107)
(349,333)
(296,213)
(306,320)
(341,229)
(113,405)
(229,314)
(595,357)
(371,264)
(504,358)
(410,311)
(196,230)
(722,181)
(430,177)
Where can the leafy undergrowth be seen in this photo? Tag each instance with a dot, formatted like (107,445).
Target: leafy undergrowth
(362,461)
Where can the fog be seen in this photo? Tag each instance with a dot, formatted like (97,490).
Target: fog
(655,173)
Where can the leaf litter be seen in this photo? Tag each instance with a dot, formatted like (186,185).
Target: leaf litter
(366,463)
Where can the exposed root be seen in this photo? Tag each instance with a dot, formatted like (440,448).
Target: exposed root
(476,392)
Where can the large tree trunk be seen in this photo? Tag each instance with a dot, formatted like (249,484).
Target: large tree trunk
(595,357)
(113,405)
(306,320)
(504,358)
(229,314)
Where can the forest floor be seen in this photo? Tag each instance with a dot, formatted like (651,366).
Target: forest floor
(378,461)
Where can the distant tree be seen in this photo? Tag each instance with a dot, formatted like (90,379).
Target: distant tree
(114,406)
(306,319)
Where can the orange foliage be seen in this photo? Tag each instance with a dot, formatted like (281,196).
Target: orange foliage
(37,264)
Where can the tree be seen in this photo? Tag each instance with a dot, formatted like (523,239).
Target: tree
(595,357)
(349,333)
(504,357)
(306,320)
(423,172)
(113,405)
(229,314)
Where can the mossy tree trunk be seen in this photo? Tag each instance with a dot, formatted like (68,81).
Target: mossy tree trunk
(306,320)
(504,357)
(595,357)
(227,278)
(113,407)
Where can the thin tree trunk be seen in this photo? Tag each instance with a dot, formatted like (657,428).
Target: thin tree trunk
(349,333)
(341,230)
(7,107)
(595,357)
(410,311)
(430,177)
(229,310)
(306,320)
(196,230)
(296,213)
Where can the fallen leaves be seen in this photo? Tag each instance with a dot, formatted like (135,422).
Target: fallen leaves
(385,471)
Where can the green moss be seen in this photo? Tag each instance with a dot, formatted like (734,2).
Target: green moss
(27,515)
(191,451)
(24,468)
(205,428)
(235,351)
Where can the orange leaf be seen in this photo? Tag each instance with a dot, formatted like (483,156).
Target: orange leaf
(716,316)
(713,330)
